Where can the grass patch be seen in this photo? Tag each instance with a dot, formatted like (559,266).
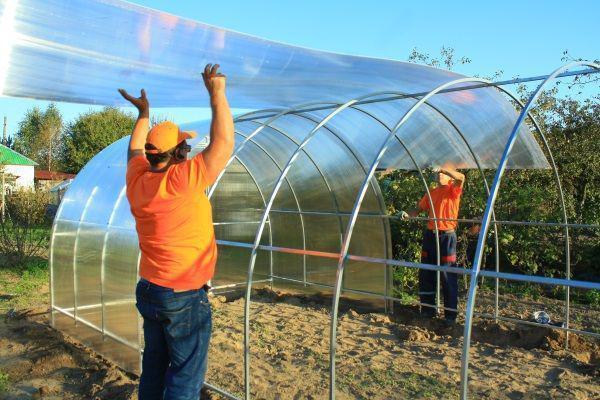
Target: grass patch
(4,382)
(24,286)
(409,385)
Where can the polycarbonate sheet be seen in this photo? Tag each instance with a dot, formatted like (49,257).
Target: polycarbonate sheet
(87,264)
(111,171)
(63,294)
(88,60)
(120,278)
(92,47)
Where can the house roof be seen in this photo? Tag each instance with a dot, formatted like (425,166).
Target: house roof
(10,157)
(45,175)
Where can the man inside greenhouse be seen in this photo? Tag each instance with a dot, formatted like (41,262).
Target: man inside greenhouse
(178,249)
(446,202)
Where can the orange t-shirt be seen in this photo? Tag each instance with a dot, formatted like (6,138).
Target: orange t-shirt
(173,219)
(446,201)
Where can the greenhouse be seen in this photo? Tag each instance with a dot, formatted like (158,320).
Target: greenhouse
(299,212)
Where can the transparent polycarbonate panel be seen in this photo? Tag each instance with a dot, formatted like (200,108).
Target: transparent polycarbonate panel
(122,216)
(80,190)
(88,261)
(120,278)
(363,132)
(63,294)
(238,225)
(288,231)
(232,265)
(163,53)
(306,177)
(446,117)
(487,110)
(258,164)
(111,171)
(89,62)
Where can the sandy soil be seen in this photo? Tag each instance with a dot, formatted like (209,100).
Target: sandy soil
(379,357)
(401,356)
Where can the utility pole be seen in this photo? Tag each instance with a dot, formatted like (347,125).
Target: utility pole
(3,188)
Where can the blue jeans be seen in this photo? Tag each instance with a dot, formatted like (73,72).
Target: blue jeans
(177,327)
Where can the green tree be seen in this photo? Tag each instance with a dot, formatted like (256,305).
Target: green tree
(39,136)
(90,133)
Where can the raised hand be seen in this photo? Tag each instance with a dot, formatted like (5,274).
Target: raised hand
(213,80)
(141,103)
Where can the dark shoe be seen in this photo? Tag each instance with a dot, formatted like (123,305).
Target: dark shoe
(205,394)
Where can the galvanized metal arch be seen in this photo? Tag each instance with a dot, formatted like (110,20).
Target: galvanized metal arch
(437,238)
(356,209)
(261,227)
(562,202)
(354,154)
(486,220)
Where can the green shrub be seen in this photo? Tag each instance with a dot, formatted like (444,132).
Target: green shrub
(25,229)
(4,382)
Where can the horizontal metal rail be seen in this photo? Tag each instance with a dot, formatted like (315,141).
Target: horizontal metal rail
(466,220)
(567,74)
(430,267)
(233,285)
(541,280)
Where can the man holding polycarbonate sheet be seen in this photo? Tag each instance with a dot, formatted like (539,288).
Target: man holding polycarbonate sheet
(446,202)
(173,219)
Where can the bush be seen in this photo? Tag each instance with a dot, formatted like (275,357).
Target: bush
(25,228)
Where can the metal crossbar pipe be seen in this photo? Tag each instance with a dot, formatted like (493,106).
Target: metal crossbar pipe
(465,220)
(462,271)
(567,74)
(541,280)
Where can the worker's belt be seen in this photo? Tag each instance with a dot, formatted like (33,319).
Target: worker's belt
(441,231)
(205,287)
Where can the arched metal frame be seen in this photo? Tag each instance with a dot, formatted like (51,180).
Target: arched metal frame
(474,273)
(258,235)
(486,222)
(354,216)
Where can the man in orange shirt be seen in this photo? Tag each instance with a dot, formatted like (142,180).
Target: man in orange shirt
(446,202)
(174,224)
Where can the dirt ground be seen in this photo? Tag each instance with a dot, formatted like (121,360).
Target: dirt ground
(379,357)
(43,363)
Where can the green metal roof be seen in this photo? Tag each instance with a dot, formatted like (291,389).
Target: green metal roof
(11,157)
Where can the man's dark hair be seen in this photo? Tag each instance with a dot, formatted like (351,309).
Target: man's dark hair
(155,159)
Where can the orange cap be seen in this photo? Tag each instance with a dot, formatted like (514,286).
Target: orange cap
(166,136)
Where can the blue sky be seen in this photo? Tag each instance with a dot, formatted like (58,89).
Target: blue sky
(521,38)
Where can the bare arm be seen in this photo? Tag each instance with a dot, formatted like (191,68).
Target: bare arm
(220,148)
(459,179)
(140,130)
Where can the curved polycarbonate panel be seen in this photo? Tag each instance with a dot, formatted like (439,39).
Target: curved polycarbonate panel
(88,60)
